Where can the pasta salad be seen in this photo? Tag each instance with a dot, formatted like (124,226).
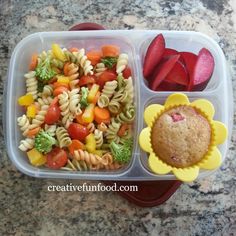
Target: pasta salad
(78,109)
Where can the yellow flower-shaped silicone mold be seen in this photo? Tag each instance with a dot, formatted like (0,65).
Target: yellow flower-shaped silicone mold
(211,160)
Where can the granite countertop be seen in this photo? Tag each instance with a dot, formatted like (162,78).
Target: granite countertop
(206,207)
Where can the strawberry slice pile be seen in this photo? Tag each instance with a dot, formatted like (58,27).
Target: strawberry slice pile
(169,70)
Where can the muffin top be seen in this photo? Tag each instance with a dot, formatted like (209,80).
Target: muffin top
(181,136)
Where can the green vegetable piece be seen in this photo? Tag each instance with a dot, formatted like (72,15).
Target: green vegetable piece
(44,72)
(122,152)
(109,61)
(83,100)
(44,142)
(40,86)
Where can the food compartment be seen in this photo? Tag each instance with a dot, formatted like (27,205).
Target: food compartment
(36,43)
(186,42)
(220,115)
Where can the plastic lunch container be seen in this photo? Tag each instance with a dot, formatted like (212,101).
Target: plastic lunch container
(134,43)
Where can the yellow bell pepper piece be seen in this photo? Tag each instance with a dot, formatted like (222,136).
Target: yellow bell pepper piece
(57,52)
(63,79)
(90,143)
(36,158)
(26,100)
(92,93)
(98,152)
(31,111)
(88,115)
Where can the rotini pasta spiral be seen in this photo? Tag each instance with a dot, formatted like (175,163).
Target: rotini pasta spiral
(57,63)
(73,74)
(111,133)
(44,101)
(127,116)
(39,118)
(100,67)
(31,84)
(91,159)
(64,102)
(102,127)
(129,88)
(51,129)
(109,88)
(76,165)
(98,135)
(26,144)
(24,124)
(122,62)
(84,62)
(70,56)
(91,127)
(74,101)
(112,165)
(47,90)
(63,137)
(103,101)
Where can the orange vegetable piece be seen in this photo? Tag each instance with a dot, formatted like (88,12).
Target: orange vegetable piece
(66,68)
(59,84)
(94,57)
(32,132)
(123,129)
(101,115)
(75,145)
(59,90)
(96,97)
(34,61)
(110,51)
(80,120)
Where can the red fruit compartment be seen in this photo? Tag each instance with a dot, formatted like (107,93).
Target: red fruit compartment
(191,42)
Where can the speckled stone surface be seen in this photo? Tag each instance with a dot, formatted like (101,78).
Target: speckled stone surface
(206,207)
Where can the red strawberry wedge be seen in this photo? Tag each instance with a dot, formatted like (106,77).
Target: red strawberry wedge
(163,70)
(203,70)
(154,54)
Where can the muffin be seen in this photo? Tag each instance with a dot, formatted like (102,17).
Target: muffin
(181,136)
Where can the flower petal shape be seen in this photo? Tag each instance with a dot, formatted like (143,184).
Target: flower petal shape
(158,166)
(176,99)
(212,161)
(186,174)
(144,139)
(221,132)
(205,106)
(151,112)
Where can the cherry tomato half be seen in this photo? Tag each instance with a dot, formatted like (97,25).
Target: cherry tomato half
(106,76)
(52,115)
(57,158)
(78,131)
(127,72)
(86,79)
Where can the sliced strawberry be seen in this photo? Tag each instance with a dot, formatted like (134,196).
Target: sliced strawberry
(154,54)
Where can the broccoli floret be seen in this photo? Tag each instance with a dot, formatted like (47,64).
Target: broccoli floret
(44,72)
(83,100)
(109,61)
(122,152)
(44,142)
